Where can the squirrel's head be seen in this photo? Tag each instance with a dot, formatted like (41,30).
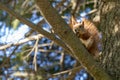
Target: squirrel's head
(79,28)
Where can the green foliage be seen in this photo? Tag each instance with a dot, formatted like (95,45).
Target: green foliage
(15,23)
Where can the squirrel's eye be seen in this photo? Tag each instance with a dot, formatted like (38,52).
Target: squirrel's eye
(76,30)
(81,28)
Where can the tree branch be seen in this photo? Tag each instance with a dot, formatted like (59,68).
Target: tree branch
(21,41)
(36,28)
(66,34)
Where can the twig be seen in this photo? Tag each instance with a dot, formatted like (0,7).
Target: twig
(56,51)
(30,51)
(62,60)
(36,28)
(21,41)
(35,55)
(8,59)
(22,74)
(75,6)
(92,11)
(70,70)
(45,44)
(95,4)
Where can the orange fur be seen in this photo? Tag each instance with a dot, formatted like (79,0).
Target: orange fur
(88,34)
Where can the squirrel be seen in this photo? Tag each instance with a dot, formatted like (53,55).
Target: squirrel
(89,35)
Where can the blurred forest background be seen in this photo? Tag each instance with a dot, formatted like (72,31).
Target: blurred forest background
(25,54)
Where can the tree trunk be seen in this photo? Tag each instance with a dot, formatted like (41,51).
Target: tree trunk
(110,27)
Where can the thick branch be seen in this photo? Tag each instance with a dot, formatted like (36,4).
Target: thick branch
(67,35)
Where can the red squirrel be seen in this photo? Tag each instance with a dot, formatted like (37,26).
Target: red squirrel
(88,33)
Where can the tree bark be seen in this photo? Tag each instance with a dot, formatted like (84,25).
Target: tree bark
(66,34)
(110,27)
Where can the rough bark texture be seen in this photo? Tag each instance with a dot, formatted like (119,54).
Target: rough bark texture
(110,27)
(66,34)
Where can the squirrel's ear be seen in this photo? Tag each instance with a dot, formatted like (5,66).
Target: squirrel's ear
(72,21)
(82,23)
